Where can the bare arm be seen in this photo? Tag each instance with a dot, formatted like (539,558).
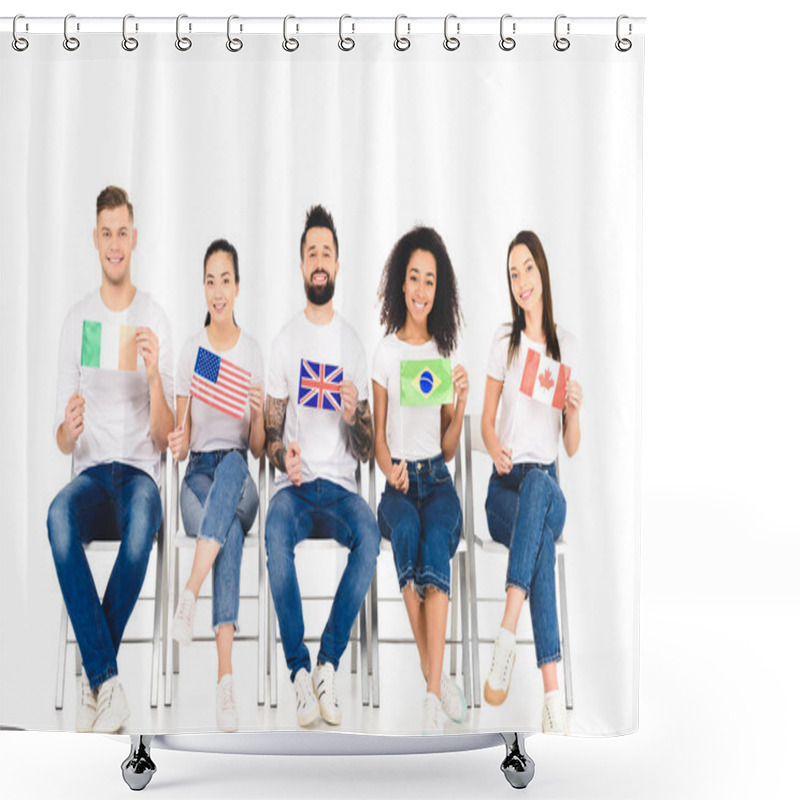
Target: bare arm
(501,454)
(359,434)
(382,454)
(452,416)
(572,422)
(276,418)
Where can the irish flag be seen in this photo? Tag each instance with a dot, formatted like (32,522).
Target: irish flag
(426,383)
(544,379)
(107,345)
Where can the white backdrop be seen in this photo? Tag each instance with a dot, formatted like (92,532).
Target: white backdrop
(720,541)
(478,143)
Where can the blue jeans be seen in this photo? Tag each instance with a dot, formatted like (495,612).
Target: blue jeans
(423,525)
(319,509)
(526,510)
(108,501)
(219,502)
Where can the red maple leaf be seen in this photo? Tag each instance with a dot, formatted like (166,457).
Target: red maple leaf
(546,380)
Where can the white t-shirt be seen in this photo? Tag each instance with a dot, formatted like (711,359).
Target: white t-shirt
(537,426)
(418,434)
(213,429)
(321,434)
(117,412)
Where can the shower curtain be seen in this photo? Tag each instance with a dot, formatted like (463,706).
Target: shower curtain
(478,142)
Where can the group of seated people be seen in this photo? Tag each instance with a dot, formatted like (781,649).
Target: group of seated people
(119,407)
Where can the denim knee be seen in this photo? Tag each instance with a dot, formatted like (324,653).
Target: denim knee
(59,530)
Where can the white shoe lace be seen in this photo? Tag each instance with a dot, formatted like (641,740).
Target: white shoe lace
(304,692)
(453,702)
(327,686)
(184,613)
(432,714)
(499,673)
(104,697)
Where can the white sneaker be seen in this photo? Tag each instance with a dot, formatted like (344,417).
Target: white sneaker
(183,621)
(554,713)
(432,715)
(112,707)
(495,690)
(227,716)
(307,705)
(324,678)
(87,706)
(453,702)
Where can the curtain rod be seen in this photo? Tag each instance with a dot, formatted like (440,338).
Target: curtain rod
(329,25)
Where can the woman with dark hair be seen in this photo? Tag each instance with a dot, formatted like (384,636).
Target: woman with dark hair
(419,510)
(525,507)
(218,497)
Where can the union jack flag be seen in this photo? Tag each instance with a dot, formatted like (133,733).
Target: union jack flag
(319,386)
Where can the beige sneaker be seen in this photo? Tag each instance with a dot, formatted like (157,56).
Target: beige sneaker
(307,705)
(87,706)
(227,715)
(498,681)
(554,713)
(112,707)
(324,678)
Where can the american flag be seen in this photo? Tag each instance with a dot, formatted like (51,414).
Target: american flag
(220,383)
(320,386)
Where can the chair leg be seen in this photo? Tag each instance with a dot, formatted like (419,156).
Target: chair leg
(157,615)
(376,672)
(272,652)
(362,624)
(465,655)
(262,633)
(78,662)
(61,667)
(562,591)
(354,646)
(176,576)
(454,616)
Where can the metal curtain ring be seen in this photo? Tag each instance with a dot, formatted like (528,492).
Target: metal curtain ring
(129,43)
(561,43)
(233,44)
(506,42)
(71,43)
(451,42)
(346,43)
(401,42)
(183,43)
(19,43)
(290,44)
(623,45)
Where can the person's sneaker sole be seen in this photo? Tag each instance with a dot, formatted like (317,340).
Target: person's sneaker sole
(96,729)
(309,719)
(496,697)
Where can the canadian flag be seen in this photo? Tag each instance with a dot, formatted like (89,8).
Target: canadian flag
(544,379)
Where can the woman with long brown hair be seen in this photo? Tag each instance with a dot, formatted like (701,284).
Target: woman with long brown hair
(525,507)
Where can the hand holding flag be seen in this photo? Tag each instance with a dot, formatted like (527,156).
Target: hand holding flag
(73,418)
(292,461)
(176,441)
(349,395)
(398,478)
(574,398)
(461,383)
(147,348)
(503,461)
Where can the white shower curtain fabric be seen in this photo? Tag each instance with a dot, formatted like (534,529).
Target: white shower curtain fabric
(479,144)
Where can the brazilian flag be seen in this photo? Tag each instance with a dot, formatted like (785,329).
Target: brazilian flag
(426,383)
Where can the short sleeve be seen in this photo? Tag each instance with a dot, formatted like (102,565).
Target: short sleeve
(380,373)
(496,368)
(277,379)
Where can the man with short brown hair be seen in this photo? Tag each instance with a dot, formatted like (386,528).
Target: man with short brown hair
(113,414)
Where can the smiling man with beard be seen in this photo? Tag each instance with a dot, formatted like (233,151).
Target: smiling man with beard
(318,427)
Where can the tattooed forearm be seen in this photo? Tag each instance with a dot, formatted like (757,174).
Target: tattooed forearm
(359,434)
(276,417)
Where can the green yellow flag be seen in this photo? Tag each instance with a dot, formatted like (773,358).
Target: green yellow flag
(426,383)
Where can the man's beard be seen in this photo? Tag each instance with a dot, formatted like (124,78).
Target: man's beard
(319,295)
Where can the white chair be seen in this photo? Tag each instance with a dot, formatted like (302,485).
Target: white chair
(112,546)
(179,541)
(461,565)
(359,636)
(478,534)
